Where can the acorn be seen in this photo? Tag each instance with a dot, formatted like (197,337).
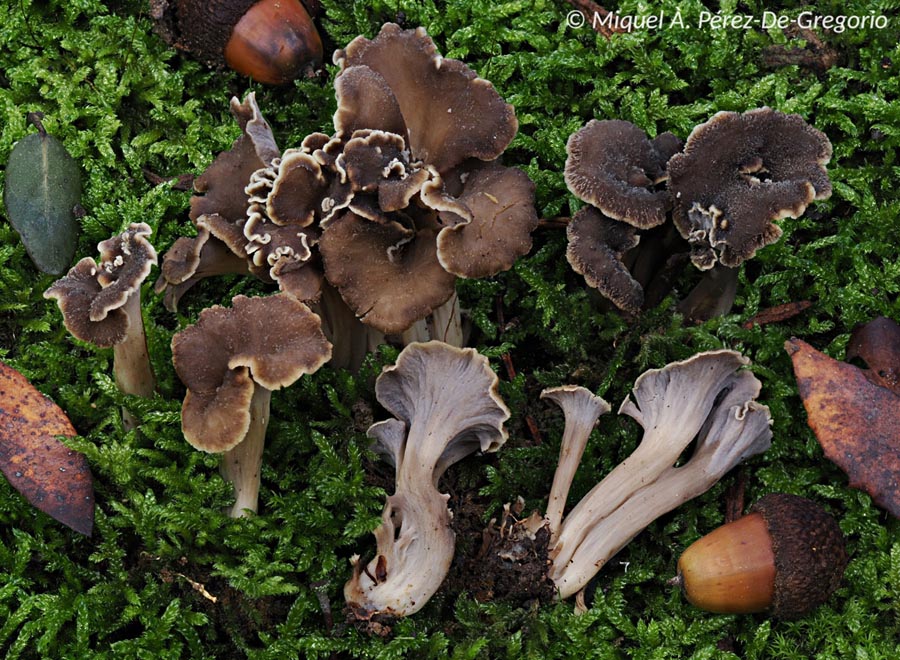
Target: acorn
(785,557)
(272,41)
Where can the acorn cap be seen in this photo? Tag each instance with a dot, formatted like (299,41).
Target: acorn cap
(272,41)
(809,553)
(210,24)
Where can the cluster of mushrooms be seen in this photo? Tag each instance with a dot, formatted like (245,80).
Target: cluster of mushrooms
(374,223)
(724,188)
(365,231)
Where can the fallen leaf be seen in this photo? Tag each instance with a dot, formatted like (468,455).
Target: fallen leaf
(878,344)
(856,422)
(52,477)
(42,189)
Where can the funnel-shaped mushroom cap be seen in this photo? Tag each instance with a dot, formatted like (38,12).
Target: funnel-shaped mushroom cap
(596,247)
(707,398)
(613,165)
(388,275)
(446,406)
(220,207)
(500,202)
(739,173)
(449,113)
(92,296)
(222,184)
(452,393)
(267,342)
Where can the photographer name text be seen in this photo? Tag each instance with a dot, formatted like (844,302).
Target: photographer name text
(705,20)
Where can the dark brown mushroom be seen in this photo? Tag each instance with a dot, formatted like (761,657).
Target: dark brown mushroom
(613,166)
(738,174)
(597,246)
(412,132)
(389,276)
(101,304)
(220,193)
(449,112)
(230,361)
(500,202)
(189,260)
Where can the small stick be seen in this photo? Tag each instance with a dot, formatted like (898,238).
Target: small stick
(734,498)
(506,358)
(559,222)
(589,9)
(777,313)
(319,588)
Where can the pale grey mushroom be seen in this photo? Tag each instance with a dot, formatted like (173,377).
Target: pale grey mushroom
(707,397)
(446,406)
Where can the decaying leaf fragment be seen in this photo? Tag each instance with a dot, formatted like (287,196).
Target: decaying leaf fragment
(52,477)
(878,344)
(856,421)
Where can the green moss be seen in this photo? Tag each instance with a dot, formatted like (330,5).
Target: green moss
(125,104)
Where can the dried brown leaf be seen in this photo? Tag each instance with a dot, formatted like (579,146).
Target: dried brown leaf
(856,421)
(878,344)
(52,477)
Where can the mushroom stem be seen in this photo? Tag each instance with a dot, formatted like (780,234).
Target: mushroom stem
(582,410)
(712,296)
(739,431)
(706,397)
(241,466)
(443,324)
(131,360)
(446,406)
(351,338)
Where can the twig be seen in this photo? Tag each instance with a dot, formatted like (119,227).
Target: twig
(734,498)
(319,588)
(182,181)
(589,9)
(506,358)
(816,55)
(559,222)
(777,313)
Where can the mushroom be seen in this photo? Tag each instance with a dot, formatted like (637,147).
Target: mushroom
(445,406)
(596,250)
(582,410)
(614,166)
(739,173)
(101,304)
(419,195)
(706,398)
(190,260)
(230,361)
(618,171)
(219,209)
(405,197)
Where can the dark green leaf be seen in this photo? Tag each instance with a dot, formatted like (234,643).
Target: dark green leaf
(43,186)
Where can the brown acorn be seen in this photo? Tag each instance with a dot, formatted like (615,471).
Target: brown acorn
(272,41)
(786,556)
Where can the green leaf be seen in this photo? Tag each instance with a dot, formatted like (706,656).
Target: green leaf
(43,186)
